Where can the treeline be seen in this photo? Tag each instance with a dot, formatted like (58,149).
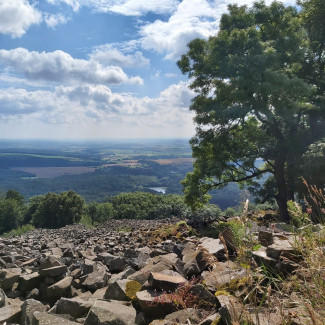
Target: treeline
(57,210)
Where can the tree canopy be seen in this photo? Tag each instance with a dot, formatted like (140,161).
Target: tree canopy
(260,100)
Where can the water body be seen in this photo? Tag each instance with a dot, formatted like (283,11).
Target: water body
(159,189)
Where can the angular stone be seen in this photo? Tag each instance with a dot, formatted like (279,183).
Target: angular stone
(222,274)
(213,246)
(122,275)
(7,279)
(156,264)
(60,288)
(278,247)
(185,316)
(265,237)
(231,310)
(197,262)
(2,298)
(106,258)
(53,271)
(117,265)
(96,280)
(152,305)
(110,313)
(119,290)
(10,313)
(261,258)
(49,262)
(42,318)
(27,310)
(74,307)
(165,280)
(28,282)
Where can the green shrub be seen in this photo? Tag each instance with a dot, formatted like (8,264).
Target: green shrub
(19,231)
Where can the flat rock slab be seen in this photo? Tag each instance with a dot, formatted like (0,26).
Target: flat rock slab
(10,313)
(213,246)
(110,313)
(54,271)
(58,289)
(168,281)
(28,282)
(279,246)
(74,307)
(42,318)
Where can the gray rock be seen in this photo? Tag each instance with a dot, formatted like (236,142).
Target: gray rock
(166,280)
(110,313)
(10,313)
(42,318)
(28,282)
(2,298)
(74,307)
(27,310)
(117,265)
(7,279)
(96,280)
(213,246)
(60,288)
(53,271)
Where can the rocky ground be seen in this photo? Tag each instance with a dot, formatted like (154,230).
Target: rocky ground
(144,272)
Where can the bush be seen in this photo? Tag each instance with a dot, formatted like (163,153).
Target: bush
(100,212)
(57,210)
(10,215)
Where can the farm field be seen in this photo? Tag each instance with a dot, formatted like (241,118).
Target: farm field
(49,172)
(98,170)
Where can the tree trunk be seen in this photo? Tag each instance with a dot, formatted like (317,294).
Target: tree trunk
(282,195)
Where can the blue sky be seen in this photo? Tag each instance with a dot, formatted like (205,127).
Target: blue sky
(99,68)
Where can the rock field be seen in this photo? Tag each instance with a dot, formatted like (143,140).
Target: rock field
(128,272)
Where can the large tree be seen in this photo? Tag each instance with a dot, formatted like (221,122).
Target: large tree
(259,106)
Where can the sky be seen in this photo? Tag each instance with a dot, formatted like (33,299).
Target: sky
(76,69)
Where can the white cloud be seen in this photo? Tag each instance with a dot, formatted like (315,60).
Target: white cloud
(53,20)
(124,7)
(60,67)
(74,4)
(108,55)
(97,103)
(192,19)
(16,16)
(140,7)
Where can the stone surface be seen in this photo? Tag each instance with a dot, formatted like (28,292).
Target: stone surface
(213,246)
(43,318)
(110,313)
(53,271)
(165,280)
(27,310)
(2,298)
(60,288)
(10,313)
(74,307)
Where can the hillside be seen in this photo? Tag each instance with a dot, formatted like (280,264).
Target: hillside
(140,272)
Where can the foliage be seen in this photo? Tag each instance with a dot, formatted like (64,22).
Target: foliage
(230,212)
(257,98)
(58,210)
(100,212)
(86,221)
(14,195)
(19,231)
(10,215)
(298,217)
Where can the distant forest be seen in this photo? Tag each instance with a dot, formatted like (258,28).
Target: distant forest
(99,170)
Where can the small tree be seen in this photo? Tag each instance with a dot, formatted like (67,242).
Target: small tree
(10,215)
